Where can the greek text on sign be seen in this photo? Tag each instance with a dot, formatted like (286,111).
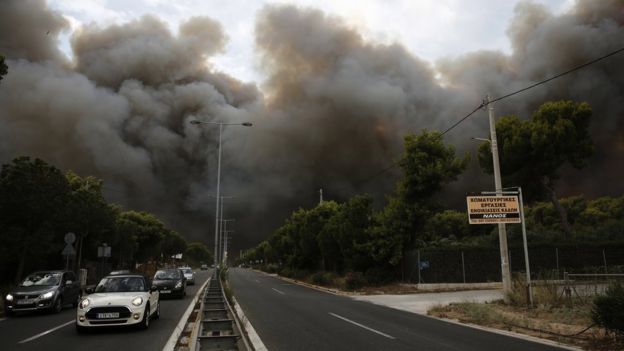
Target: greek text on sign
(493,209)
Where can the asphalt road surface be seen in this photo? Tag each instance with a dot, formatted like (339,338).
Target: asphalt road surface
(291,317)
(50,332)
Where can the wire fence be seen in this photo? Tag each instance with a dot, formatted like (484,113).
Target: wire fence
(478,265)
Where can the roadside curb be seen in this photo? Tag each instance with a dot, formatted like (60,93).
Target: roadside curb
(506,333)
(177,331)
(254,338)
(308,285)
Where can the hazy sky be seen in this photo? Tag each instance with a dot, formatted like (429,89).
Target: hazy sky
(431,29)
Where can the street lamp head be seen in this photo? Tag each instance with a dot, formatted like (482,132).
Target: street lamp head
(195,122)
(246,124)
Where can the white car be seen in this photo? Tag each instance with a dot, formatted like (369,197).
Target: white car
(119,300)
(189,275)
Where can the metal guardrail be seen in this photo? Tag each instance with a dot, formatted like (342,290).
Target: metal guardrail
(219,327)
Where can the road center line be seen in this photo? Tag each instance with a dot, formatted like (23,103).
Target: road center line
(281,292)
(362,326)
(46,332)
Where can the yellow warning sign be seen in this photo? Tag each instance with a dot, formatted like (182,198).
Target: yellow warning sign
(493,209)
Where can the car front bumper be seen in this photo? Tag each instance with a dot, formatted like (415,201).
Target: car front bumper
(167,291)
(100,316)
(34,305)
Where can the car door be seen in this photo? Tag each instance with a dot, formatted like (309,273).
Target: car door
(153,295)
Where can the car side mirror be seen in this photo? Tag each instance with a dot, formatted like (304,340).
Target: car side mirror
(153,288)
(89,290)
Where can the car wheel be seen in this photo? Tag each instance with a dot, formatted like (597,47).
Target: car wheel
(157,313)
(80,329)
(146,318)
(58,305)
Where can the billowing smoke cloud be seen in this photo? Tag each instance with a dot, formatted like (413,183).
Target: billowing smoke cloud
(331,113)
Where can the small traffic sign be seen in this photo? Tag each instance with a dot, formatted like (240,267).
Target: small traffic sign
(70,238)
(69,250)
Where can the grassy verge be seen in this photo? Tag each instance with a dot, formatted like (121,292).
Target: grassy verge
(556,323)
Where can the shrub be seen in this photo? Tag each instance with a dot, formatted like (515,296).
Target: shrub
(319,278)
(354,280)
(271,268)
(608,310)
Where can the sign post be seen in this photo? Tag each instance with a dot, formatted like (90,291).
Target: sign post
(69,248)
(492,207)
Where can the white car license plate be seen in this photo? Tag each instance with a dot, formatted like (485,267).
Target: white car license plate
(25,301)
(108,315)
(165,291)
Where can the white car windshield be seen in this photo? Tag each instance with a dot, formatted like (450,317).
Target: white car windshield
(42,279)
(167,275)
(120,284)
(187,271)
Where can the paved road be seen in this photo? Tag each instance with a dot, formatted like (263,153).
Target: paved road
(291,317)
(61,334)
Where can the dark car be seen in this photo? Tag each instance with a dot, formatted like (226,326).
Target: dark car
(45,290)
(170,282)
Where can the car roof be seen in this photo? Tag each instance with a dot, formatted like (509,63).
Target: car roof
(125,276)
(50,271)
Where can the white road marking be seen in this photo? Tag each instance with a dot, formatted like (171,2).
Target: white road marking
(281,292)
(362,326)
(2,319)
(47,332)
(257,281)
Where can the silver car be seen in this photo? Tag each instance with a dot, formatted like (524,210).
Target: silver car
(189,275)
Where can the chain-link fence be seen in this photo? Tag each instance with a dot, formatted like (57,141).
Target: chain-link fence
(477,265)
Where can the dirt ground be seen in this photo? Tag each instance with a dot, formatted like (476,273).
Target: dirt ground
(563,324)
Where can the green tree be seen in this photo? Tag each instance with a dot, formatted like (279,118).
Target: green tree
(325,237)
(3,67)
(87,213)
(148,232)
(427,164)
(350,227)
(33,195)
(532,152)
(173,243)
(197,252)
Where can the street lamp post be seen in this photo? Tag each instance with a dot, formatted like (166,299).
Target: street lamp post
(220,124)
(223,242)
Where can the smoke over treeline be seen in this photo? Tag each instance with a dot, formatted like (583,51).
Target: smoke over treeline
(332,112)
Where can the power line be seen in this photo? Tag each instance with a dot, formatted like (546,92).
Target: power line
(483,104)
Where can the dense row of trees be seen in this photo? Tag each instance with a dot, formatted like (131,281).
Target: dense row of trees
(39,205)
(352,236)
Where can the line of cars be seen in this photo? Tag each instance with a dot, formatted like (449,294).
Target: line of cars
(120,298)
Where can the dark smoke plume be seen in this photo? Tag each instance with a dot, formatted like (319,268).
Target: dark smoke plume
(331,113)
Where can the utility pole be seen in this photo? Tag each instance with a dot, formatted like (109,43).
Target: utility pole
(320,196)
(502,231)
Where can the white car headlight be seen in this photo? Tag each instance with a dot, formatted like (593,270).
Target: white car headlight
(137,301)
(9,297)
(179,285)
(47,295)
(84,303)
